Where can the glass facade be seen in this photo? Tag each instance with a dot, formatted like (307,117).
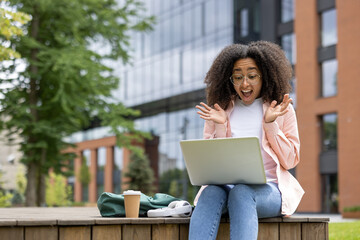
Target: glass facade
(174,58)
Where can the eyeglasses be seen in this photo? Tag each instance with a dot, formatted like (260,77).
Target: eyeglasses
(251,78)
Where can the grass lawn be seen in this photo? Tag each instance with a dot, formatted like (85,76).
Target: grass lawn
(344,230)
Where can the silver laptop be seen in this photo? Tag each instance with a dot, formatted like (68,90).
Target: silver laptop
(224,161)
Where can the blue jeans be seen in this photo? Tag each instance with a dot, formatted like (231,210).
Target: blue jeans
(244,203)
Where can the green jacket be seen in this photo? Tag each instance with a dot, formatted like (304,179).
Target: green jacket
(112,205)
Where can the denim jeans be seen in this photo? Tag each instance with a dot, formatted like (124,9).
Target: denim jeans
(244,203)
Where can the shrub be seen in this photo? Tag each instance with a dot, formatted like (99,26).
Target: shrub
(352,209)
(58,193)
(5,199)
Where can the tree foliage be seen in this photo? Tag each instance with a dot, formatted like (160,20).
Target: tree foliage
(10,26)
(140,174)
(66,83)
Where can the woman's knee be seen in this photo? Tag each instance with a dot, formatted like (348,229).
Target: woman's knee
(214,192)
(241,192)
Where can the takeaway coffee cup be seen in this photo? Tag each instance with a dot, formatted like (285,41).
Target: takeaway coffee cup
(132,203)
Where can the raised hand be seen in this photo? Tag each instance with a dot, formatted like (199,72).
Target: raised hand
(275,111)
(216,114)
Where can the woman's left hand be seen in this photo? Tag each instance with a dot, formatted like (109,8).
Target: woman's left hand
(275,111)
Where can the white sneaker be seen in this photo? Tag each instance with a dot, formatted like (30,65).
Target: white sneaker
(175,209)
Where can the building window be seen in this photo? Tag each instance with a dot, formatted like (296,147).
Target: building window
(247,21)
(328,163)
(329,71)
(289,46)
(244,22)
(287,10)
(328,28)
(329,132)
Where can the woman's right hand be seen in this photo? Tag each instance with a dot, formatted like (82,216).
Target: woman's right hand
(216,114)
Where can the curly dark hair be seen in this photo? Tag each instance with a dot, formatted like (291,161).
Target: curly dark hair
(275,69)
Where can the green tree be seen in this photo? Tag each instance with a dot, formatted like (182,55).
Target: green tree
(10,22)
(140,174)
(66,83)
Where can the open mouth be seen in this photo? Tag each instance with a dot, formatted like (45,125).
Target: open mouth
(247,93)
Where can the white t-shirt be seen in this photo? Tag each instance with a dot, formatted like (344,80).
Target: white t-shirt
(246,121)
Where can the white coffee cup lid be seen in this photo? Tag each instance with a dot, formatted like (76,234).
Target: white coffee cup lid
(131,192)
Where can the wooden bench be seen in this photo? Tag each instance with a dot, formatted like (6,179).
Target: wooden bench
(85,223)
(147,228)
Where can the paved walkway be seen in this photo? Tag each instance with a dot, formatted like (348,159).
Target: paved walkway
(333,217)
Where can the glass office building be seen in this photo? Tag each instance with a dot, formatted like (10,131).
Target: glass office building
(165,77)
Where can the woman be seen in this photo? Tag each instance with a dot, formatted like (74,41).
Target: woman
(247,95)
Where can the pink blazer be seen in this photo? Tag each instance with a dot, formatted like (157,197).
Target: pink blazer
(281,141)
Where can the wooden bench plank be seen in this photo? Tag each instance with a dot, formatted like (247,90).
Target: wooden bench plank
(136,232)
(268,231)
(75,232)
(112,221)
(270,220)
(13,233)
(41,233)
(147,221)
(36,222)
(314,231)
(165,231)
(177,220)
(184,231)
(290,231)
(75,222)
(8,222)
(106,232)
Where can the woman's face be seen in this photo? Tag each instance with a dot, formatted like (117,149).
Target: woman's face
(246,78)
